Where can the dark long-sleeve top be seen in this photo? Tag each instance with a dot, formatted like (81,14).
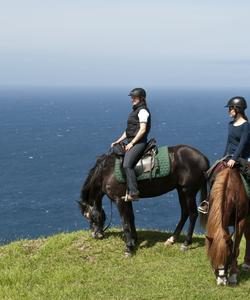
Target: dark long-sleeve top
(238,141)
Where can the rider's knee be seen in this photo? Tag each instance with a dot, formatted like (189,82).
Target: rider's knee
(127,165)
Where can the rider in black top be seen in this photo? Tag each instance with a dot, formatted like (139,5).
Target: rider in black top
(138,127)
(238,141)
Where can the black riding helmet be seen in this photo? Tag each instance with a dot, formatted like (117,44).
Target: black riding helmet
(138,92)
(238,102)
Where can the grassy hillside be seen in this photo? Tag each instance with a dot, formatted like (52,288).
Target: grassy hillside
(74,266)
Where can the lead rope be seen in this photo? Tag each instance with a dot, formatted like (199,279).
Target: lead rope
(111,215)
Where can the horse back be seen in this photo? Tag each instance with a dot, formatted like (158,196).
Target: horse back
(188,163)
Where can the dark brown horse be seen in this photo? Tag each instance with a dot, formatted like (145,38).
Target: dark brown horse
(188,167)
(229,206)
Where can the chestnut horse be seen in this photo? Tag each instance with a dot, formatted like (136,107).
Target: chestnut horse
(229,206)
(188,168)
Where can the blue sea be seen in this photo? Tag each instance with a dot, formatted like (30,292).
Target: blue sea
(51,137)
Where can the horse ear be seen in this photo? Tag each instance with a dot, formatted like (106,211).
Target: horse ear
(209,239)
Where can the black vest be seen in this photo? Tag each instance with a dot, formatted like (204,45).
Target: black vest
(133,124)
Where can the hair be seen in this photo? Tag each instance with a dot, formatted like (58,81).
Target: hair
(143,100)
(241,111)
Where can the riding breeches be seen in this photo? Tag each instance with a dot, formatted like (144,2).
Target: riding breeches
(130,159)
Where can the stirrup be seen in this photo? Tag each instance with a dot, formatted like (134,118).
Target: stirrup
(125,198)
(129,197)
(201,209)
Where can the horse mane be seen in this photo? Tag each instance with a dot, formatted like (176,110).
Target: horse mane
(216,231)
(94,173)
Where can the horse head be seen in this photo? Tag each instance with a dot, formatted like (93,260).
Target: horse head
(95,216)
(228,207)
(220,251)
(90,202)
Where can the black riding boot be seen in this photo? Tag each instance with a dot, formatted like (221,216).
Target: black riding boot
(131,181)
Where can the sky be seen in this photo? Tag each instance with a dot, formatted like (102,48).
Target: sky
(158,43)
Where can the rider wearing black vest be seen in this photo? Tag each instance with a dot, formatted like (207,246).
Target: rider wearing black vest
(138,127)
(133,124)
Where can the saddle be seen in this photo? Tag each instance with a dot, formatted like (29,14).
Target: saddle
(211,173)
(154,163)
(147,161)
(242,165)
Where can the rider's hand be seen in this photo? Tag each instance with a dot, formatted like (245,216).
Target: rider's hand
(129,146)
(230,163)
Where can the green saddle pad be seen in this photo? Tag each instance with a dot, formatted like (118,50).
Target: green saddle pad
(162,167)
(246,185)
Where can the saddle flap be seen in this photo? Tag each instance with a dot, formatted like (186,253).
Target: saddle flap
(145,164)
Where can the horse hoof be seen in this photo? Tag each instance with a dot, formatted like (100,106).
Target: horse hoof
(245,267)
(184,248)
(232,280)
(169,241)
(232,284)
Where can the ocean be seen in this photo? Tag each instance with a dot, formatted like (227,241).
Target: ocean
(51,137)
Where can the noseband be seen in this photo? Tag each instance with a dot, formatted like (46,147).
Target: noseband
(221,272)
(89,212)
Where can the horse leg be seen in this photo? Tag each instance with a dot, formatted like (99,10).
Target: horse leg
(183,219)
(193,215)
(246,264)
(232,280)
(127,218)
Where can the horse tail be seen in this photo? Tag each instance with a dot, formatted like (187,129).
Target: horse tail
(215,242)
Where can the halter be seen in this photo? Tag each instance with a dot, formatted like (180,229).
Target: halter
(221,272)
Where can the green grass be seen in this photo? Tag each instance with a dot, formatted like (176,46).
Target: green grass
(75,266)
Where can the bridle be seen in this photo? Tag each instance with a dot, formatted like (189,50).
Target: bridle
(89,214)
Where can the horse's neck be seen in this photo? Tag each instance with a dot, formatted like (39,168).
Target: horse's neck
(215,219)
(217,252)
